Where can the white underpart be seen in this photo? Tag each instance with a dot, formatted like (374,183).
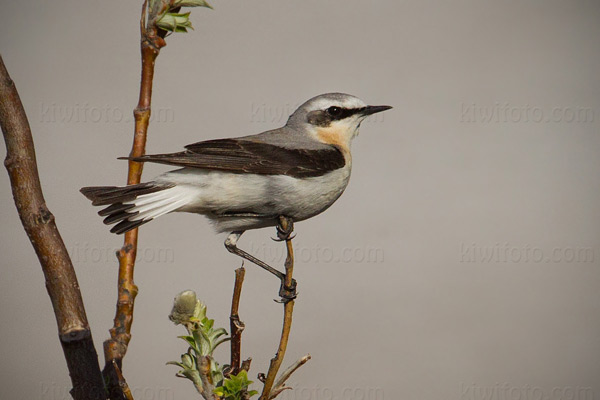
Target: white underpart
(213,192)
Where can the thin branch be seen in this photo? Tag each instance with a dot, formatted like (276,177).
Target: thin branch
(123,391)
(61,282)
(236,325)
(207,383)
(115,348)
(288,309)
(279,385)
(197,385)
(246,364)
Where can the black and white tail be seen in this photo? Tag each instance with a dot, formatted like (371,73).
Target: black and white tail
(134,205)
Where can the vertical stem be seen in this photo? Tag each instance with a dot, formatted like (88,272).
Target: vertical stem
(288,309)
(235,324)
(61,282)
(115,348)
(278,359)
(208,386)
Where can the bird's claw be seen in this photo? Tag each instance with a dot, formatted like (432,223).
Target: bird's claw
(285,233)
(287,293)
(279,239)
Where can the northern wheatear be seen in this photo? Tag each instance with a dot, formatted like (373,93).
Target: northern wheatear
(248,182)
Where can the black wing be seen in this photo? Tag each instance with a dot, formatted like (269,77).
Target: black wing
(246,156)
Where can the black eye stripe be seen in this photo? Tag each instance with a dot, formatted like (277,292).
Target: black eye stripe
(333,113)
(339,113)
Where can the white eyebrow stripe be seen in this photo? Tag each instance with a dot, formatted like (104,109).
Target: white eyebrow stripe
(351,102)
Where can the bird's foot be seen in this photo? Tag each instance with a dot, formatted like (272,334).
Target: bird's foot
(285,227)
(287,293)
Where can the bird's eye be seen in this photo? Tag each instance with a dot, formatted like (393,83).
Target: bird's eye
(334,111)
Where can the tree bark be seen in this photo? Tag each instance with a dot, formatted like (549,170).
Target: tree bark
(61,282)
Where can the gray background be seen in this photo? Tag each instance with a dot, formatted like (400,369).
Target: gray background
(461,263)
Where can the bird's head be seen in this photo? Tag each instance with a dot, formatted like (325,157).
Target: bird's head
(332,118)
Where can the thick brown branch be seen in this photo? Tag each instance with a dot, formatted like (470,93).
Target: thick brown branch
(116,347)
(235,324)
(61,282)
(288,309)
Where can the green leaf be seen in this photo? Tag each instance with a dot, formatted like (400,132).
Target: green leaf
(221,342)
(218,333)
(216,371)
(180,365)
(201,312)
(191,3)
(175,22)
(202,340)
(188,361)
(191,342)
(235,386)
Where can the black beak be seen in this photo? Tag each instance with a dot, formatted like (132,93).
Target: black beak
(368,110)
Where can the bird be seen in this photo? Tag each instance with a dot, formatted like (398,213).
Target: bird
(249,182)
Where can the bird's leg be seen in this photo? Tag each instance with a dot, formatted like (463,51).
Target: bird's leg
(231,245)
(287,291)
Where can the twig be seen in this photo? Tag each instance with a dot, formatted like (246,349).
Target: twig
(197,385)
(235,324)
(246,364)
(207,383)
(279,385)
(124,392)
(116,347)
(288,309)
(61,282)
